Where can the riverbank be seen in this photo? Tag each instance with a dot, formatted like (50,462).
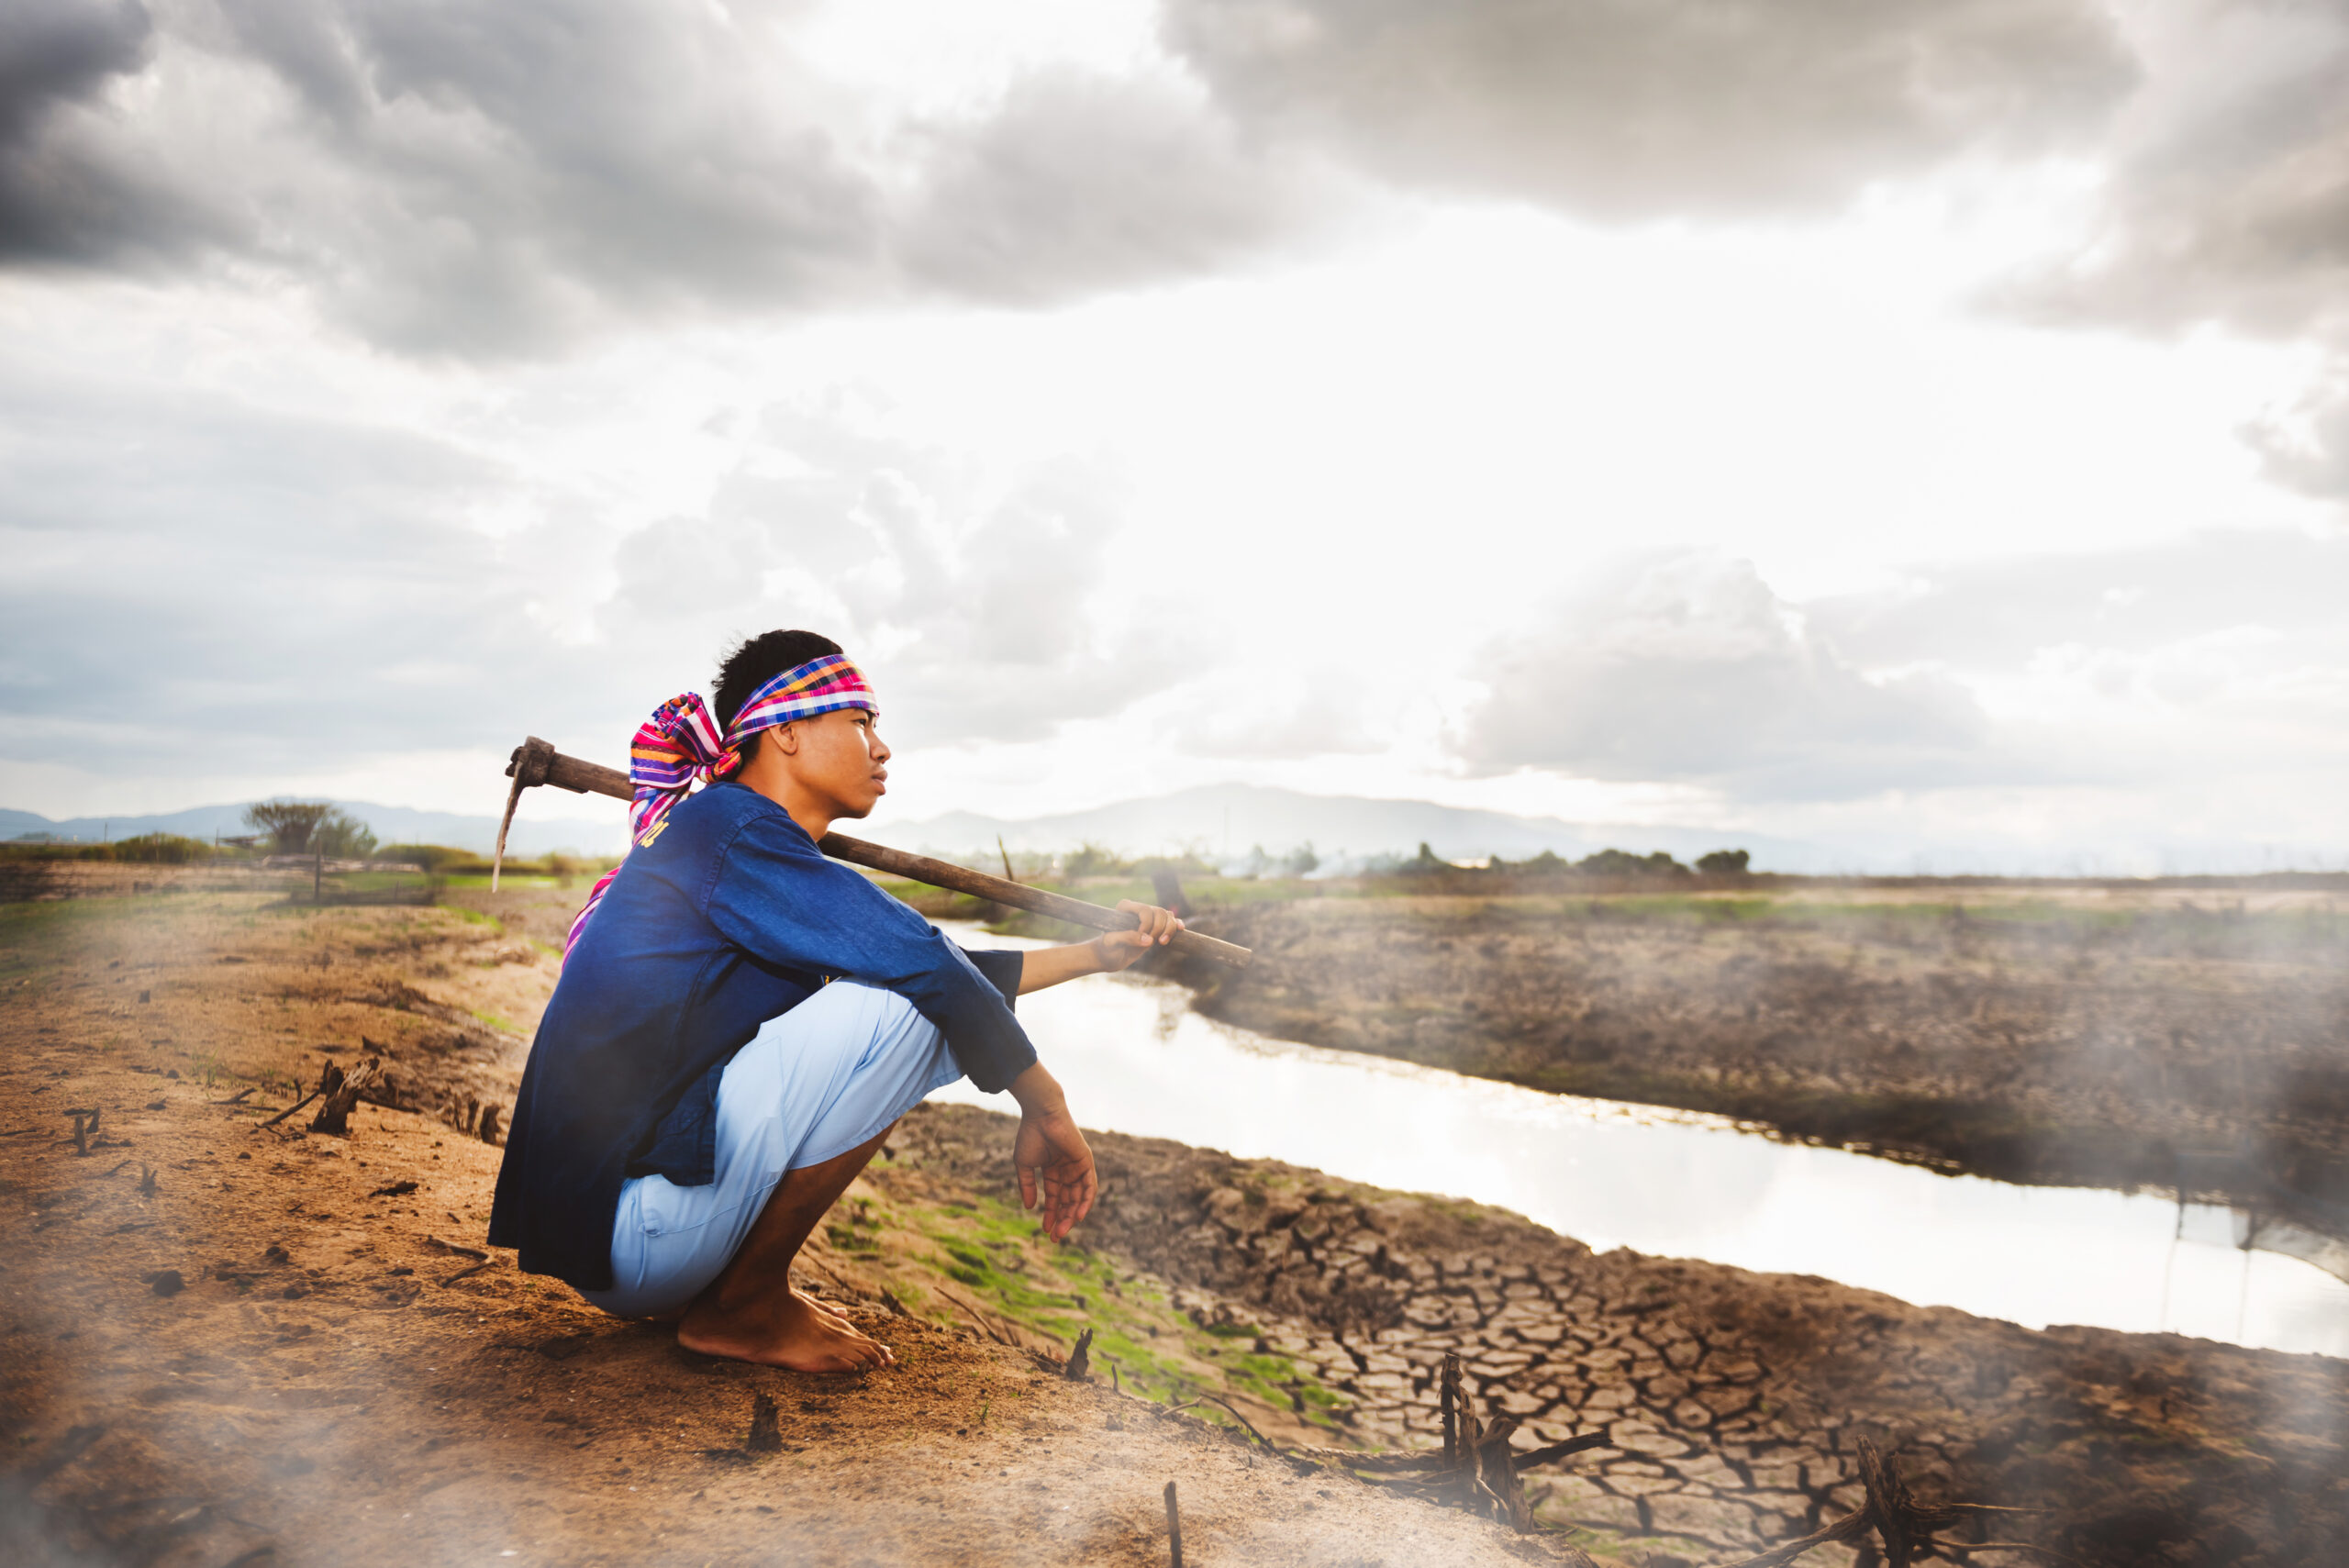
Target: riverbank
(2088,1037)
(336,1377)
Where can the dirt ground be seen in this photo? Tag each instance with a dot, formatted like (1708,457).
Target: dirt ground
(292,1349)
(280,1351)
(2080,1037)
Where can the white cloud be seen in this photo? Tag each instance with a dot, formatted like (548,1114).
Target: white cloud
(1688,667)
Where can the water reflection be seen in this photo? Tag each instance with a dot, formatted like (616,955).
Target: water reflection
(1135,1059)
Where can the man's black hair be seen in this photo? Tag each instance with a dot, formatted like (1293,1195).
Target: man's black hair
(758,661)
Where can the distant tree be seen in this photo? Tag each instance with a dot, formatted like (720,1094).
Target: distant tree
(1092,860)
(431,857)
(1424,863)
(1546,864)
(288,822)
(1300,861)
(162,848)
(1723,862)
(1618,862)
(345,837)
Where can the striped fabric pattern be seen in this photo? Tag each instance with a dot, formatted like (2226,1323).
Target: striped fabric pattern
(680,745)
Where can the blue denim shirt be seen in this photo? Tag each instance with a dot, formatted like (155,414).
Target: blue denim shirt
(724,915)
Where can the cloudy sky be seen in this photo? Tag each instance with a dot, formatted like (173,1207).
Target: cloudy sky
(1914,425)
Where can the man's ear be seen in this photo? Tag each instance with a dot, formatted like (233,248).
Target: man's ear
(785,738)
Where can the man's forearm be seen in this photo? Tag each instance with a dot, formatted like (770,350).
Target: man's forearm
(1040,967)
(1038,1093)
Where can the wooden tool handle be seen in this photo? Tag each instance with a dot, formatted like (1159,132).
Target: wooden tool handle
(535,763)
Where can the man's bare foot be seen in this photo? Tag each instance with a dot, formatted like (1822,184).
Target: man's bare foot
(677,1313)
(791,1332)
(821,1310)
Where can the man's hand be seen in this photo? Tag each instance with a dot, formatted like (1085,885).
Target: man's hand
(1113,950)
(1055,1164)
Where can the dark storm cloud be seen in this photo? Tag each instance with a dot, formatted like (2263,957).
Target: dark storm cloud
(1641,108)
(2227,195)
(1690,669)
(480,180)
(2225,200)
(464,179)
(69,191)
(1133,180)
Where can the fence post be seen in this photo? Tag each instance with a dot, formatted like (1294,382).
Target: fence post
(317,877)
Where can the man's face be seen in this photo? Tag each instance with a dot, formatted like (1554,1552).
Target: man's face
(842,759)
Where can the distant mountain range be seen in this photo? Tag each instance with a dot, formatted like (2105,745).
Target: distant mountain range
(1223,822)
(1219,821)
(391,825)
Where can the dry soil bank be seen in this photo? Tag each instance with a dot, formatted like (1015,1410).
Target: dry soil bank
(2085,1036)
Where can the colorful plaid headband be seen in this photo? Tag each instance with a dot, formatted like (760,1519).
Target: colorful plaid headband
(680,743)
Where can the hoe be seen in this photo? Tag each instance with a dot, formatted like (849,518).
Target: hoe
(536,762)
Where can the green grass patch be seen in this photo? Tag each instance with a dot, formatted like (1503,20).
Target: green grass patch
(993,1254)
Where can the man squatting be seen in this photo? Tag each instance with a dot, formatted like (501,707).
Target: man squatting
(741,1021)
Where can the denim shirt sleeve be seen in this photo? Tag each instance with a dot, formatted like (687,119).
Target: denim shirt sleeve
(1002,968)
(774,895)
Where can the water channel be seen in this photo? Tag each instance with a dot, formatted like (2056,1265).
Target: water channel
(1135,1059)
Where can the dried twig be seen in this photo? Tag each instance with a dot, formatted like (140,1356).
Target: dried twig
(1001,1334)
(838,1279)
(1355,1459)
(1588,1441)
(1296,1461)
(304,1100)
(1904,1526)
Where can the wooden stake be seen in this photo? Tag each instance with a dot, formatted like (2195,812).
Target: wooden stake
(1450,1422)
(766,1433)
(1174,1528)
(342,1098)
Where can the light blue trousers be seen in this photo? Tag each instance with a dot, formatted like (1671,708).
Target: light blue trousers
(830,1074)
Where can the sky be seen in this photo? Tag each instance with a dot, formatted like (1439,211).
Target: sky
(1914,426)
